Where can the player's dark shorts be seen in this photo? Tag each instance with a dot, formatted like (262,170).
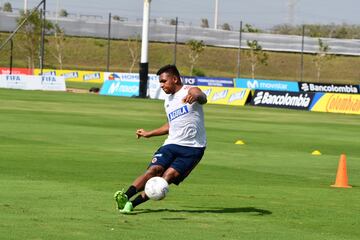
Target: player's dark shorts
(182,159)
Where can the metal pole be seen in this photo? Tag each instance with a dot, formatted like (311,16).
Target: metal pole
(302,54)
(108,49)
(25,6)
(216,14)
(42,50)
(144,65)
(239,50)
(175,45)
(11,55)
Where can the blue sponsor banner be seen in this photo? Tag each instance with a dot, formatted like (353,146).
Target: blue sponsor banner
(207,81)
(120,88)
(267,85)
(189,80)
(215,82)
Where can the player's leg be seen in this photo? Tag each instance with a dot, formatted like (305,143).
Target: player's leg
(122,197)
(186,160)
(170,175)
(160,161)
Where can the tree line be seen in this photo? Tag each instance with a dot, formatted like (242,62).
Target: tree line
(342,31)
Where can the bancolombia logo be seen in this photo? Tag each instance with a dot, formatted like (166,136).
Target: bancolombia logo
(282,99)
(343,104)
(315,87)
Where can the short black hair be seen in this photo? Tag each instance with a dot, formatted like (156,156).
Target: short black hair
(170,69)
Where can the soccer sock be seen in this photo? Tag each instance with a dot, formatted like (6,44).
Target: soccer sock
(131,191)
(139,199)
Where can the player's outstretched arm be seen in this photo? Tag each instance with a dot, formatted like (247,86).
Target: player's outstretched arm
(156,132)
(195,95)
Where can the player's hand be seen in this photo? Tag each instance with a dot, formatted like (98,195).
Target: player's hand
(195,95)
(141,133)
(189,99)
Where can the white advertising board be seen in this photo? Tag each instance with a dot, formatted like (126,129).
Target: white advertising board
(31,82)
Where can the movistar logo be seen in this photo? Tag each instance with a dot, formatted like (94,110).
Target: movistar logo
(252,84)
(178,112)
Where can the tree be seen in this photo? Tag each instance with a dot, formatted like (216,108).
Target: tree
(134,49)
(196,48)
(204,23)
(7,7)
(31,35)
(59,37)
(226,27)
(250,29)
(256,55)
(63,13)
(116,18)
(172,21)
(321,57)
(286,29)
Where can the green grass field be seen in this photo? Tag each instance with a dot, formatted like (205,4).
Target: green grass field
(63,155)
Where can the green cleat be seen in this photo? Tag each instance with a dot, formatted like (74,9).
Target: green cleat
(121,199)
(128,208)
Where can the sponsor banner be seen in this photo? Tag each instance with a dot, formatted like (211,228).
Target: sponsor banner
(130,77)
(31,82)
(334,88)
(336,103)
(278,99)
(189,80)
(24,82)
(268,85)
(53,83)
(154,91)
(216,82)
(120,88)
(74,75)
(16,71)
(227,96)
(208,81)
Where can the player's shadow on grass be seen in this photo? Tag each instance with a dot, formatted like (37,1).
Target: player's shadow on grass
(256,211)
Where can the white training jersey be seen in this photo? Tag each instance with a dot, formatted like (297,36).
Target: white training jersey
(186,121)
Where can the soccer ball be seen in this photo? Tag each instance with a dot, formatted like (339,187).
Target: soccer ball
(156,188)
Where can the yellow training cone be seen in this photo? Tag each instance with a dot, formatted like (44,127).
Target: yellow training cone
(316,153)
(240,142)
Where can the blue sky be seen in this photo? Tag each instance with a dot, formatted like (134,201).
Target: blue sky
(260,13)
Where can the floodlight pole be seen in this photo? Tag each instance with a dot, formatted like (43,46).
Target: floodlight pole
(144,65)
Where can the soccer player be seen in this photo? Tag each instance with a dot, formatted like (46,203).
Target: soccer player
(185,144)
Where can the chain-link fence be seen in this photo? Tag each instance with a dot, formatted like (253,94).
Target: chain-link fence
(299,67)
